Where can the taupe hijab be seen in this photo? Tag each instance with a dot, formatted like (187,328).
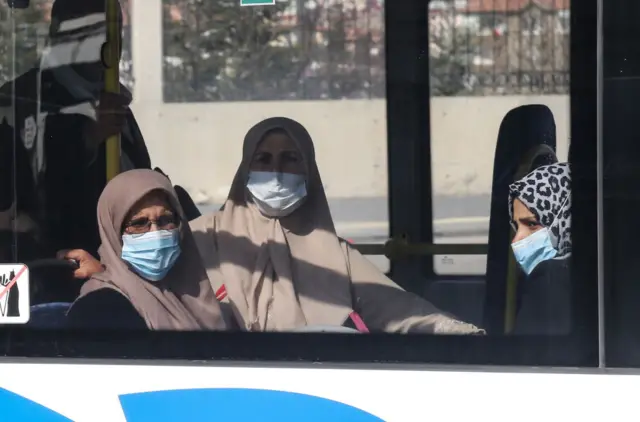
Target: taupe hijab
(279,274)
(184,299)
(292,272)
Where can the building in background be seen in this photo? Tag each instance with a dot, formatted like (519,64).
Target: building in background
(484,47)
(329,49)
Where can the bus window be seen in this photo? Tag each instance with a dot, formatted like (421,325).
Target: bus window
(280,151)
(485,61)
(320,64)
(323,66)
(499,108)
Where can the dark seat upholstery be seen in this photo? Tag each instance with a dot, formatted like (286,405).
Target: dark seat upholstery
(522,131)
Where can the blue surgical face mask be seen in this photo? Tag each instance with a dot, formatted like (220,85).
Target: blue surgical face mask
(277,194)
(152,254)
(534,249)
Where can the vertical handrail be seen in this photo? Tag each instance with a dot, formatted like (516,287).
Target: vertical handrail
(112,81)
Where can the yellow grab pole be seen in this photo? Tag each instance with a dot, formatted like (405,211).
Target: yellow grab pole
(512,294)
(112,81)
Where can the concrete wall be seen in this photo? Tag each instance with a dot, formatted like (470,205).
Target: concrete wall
(464,132)
(199,145)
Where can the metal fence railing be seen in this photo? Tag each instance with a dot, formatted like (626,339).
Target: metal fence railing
(489,47)
(332,49)
(335,49)
(295,50)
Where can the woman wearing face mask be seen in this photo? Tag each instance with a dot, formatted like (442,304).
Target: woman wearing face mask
(284,268)
(540,210)
(153,277)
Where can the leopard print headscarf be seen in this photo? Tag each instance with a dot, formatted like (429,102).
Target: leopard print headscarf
(546,192)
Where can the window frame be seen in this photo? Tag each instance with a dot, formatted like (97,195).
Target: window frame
(620,88)
(407,105)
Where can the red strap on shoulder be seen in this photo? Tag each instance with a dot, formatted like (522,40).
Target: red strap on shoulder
(221,293)
(358,322)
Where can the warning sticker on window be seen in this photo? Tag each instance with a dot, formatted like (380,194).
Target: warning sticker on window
(14,294)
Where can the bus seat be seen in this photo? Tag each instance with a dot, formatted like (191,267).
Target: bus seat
(463,298)
(48,315)
(189,207)
(521,132)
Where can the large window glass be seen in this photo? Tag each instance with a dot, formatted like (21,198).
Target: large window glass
(499,80)
(226,68)
(338,166)
(487,58)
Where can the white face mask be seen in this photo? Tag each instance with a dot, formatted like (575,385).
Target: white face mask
(277,194)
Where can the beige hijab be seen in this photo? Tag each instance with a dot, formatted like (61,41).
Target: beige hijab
(184,299)
(280,274)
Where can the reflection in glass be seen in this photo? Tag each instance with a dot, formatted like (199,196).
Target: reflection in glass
(55,120)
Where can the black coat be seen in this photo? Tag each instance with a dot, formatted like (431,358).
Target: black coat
(62,197)
(545,306)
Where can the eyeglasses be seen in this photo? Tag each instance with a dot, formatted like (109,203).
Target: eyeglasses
(143,224)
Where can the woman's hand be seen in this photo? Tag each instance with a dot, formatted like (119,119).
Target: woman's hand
(87,264)
(111,118)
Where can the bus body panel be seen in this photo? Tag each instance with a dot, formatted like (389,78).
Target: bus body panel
(111,392)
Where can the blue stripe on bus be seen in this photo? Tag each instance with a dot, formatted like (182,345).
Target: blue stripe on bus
(199,405)
(227,404)
(15,408)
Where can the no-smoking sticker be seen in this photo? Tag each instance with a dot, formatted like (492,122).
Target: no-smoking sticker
(14,294)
